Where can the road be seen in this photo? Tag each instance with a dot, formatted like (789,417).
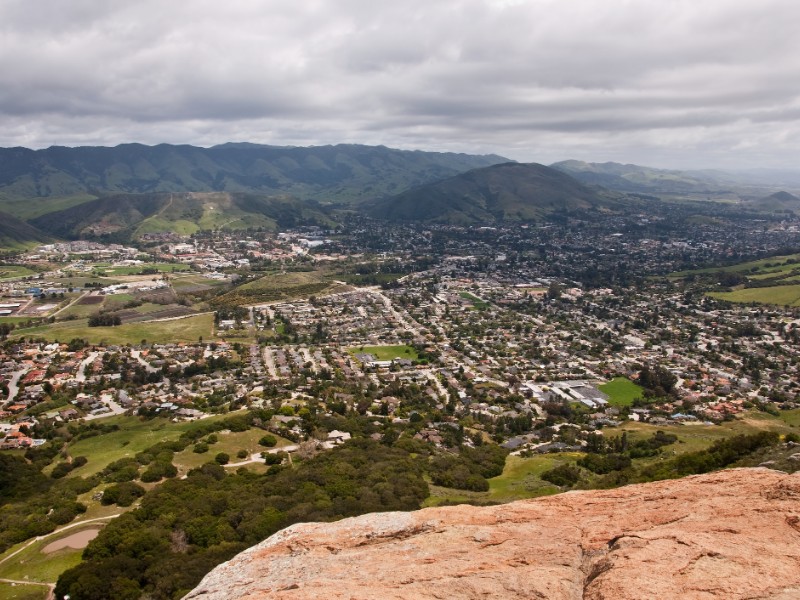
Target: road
(13,384)
(81,375)
(269,361)
(256,457)
(116,409)
(137,354)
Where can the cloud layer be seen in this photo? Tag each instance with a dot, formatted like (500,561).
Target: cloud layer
(666,83)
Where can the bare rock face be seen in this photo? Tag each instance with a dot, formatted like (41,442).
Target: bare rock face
(726,535)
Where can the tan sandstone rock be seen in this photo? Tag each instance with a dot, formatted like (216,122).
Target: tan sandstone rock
(733,534)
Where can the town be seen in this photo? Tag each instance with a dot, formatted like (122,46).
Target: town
(487,327)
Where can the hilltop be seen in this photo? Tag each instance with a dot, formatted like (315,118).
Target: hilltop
(731,534)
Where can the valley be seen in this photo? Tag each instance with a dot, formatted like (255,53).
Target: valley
(187,372)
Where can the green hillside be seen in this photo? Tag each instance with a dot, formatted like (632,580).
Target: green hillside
(777,202)
(19,235)
(506,192)
(128,216)
(341,173)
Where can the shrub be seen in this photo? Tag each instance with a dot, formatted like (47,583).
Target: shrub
(222,458)
(61,470)
(269,441)
(562,475)
(122,494)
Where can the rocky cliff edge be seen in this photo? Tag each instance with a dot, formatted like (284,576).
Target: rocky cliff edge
(732,534)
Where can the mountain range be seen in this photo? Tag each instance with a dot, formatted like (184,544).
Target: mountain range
(123,192)
(342,173)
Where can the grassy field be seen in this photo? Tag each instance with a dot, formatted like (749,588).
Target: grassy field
(23,592)
(275,287)
(188,329)
(751,268)
(11,271)
(791,417)
(34,564)
(133,436)
(520,479)
(189,282)
(477,303)
(621,391)
(79,281)
(784,295)
(17,320)
(137,269)
(387,352)
(696,436)
(230,443)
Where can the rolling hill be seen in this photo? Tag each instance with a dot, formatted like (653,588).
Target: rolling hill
(127,216)
(639,179)
(777,202)
(506,192)
(61,177)
(17,235)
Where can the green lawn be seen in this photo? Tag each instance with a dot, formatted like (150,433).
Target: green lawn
(621,391)
(188,329)
(387,352)
(785,295)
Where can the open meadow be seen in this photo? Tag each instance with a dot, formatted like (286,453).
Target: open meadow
(187,329)
(784,295)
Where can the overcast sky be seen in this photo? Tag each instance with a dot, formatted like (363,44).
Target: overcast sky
(669,83)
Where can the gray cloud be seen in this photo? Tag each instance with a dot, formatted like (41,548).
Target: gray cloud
(676,82)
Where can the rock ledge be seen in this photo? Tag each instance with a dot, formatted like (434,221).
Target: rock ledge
(733,534)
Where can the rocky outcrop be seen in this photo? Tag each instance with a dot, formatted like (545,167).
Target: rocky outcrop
(731,534)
